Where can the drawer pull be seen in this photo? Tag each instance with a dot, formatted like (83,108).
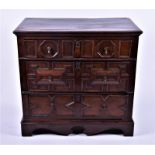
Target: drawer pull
(105,52)
(69,104)
(49,51)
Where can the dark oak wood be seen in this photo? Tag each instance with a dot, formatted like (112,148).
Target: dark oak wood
(77,75)
(77,25)
(78,48)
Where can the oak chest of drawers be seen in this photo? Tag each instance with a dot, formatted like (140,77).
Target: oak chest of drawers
(77,75)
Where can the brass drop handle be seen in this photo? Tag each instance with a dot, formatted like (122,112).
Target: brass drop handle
(69,104)
(105,50)
(49,50)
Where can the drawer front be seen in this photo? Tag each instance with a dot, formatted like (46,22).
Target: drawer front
(73,106)
(106,48)
(75,48)
(107,76)
(51,106)
(79,76)
(50,76)
(105,106)
(51,48)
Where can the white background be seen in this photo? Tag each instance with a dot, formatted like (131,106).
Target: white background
(144,102)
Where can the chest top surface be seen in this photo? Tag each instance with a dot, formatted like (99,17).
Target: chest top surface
(105,25)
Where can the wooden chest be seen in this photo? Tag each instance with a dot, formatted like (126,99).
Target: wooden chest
(77,75)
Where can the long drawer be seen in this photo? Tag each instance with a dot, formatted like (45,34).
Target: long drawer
(86,106)
(81,76)
(100,48)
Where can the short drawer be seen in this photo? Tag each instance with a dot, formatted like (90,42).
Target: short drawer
(50,76)
(85,106)
(106,48)
(48,48)
(107,76)
(78,48)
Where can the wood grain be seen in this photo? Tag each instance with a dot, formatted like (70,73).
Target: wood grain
(77,75)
